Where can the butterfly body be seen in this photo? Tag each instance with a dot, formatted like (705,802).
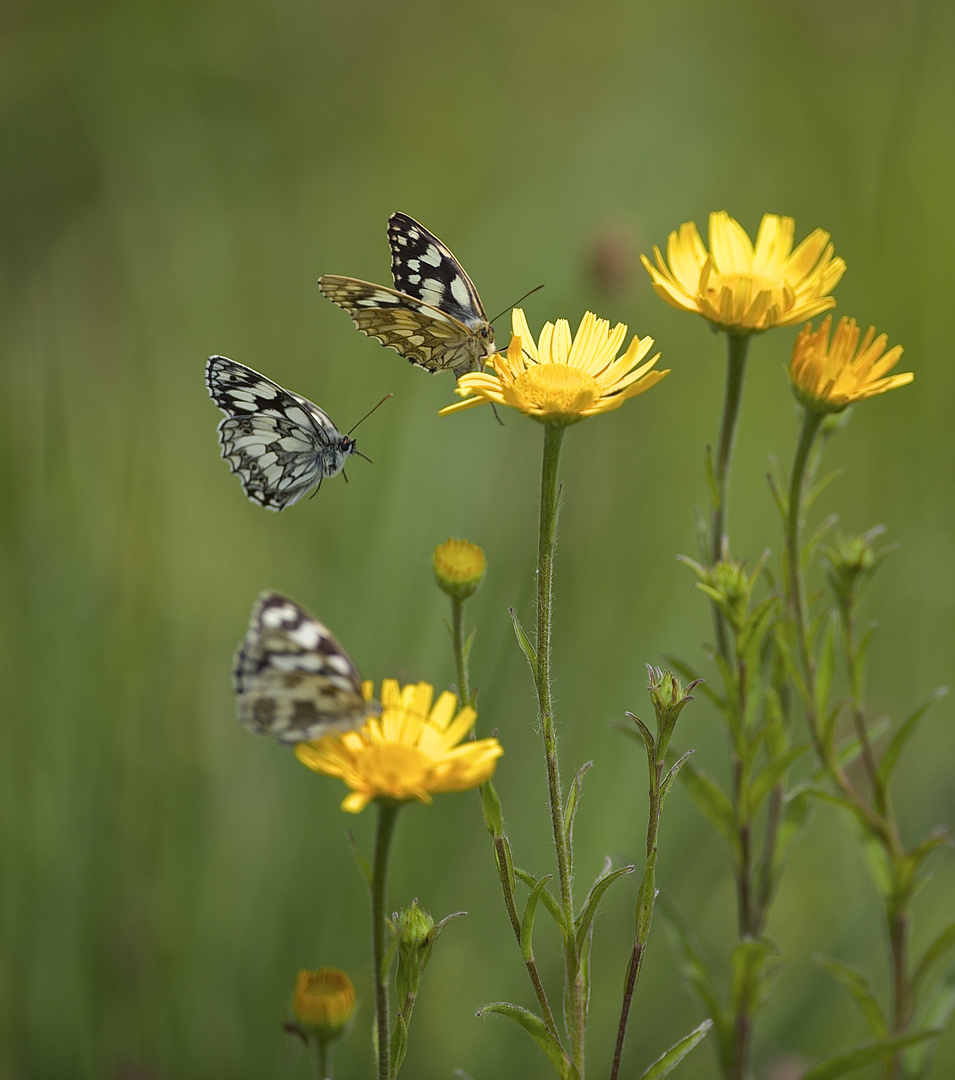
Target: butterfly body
(433,316)
(292,678)
(280,444)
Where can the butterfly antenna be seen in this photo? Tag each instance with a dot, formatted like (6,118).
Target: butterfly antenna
(516,302)
(367,414)
(358,453)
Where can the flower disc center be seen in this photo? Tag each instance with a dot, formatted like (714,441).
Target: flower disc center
(557,388)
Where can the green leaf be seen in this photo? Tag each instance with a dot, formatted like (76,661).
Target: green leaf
(502,854)
(527,922)
(825,669)
(399,1045)
(525,642)
(537,1029)
(797,805)
(493,812)
(599,887)
(677,1052)
(934,1013)
(859,985)
(841,1064)
(771,773)
(751,984)
(363,864)
(570,810)
(673,773)
(711,799)
(901,737)
(934,953)
(549,902)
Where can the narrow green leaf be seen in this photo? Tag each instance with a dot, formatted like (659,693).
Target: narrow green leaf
(524,641)
(902,736)
(771,773)
(502,853)
(677,1052)
(537,1029)
(935,1013)
(363,864)
(673,773)
(549,902)
(573,799)
(825,669)
(527,921)
(711,799)
(934,953)
(399,1045)
(841,1064)
(493,812)
(599,887)
(859,985)
(797,805)
(751,983)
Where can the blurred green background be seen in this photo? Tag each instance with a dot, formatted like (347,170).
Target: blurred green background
(175,176)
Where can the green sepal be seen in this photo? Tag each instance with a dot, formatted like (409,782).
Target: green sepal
(599,887)
(549,902)
(537,1029)
(493,812)
(901,737)
(527,921)
(841,1064)
(524,641)
(677,1052)
(859,985)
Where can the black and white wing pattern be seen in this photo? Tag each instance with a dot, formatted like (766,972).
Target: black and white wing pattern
(292,678)
(279,443)
(433,316)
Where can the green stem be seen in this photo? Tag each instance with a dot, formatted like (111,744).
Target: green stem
(737,346)
(797,587)
(547,542)
(321,1060)
(460,654)
(387,816)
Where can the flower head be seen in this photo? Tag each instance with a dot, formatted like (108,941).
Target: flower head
(324,1002)
(829,377)
(409,752)
(745,288)
(559,379)
(458,567)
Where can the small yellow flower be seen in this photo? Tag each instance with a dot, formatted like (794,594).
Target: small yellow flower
(324,1001)
(829,377)
(458,567)
(560,380)
(742,288)
(411,751)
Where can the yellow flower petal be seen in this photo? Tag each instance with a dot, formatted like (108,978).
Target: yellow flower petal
(742,287)
(563,377)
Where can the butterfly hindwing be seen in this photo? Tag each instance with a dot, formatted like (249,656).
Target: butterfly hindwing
(433,317)
(292,678)
(280,444)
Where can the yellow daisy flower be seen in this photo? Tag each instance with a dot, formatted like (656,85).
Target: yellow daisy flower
(559,379)
(410,751)
(829,377)
(745,288)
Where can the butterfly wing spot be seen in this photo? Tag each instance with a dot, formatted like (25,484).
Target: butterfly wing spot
(280,444)
(292,678)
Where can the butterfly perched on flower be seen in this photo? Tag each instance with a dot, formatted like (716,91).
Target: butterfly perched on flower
(292,678)
(432,317)
(279,443)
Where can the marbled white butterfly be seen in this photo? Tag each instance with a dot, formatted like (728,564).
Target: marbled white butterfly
(433,316)
(279,443)
(292,678)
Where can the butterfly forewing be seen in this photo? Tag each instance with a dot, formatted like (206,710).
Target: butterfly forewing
(280,444)
(293,679)
(433,317)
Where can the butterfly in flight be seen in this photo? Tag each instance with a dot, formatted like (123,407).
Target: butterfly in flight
(432,317)
(292,678)
(279,443)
